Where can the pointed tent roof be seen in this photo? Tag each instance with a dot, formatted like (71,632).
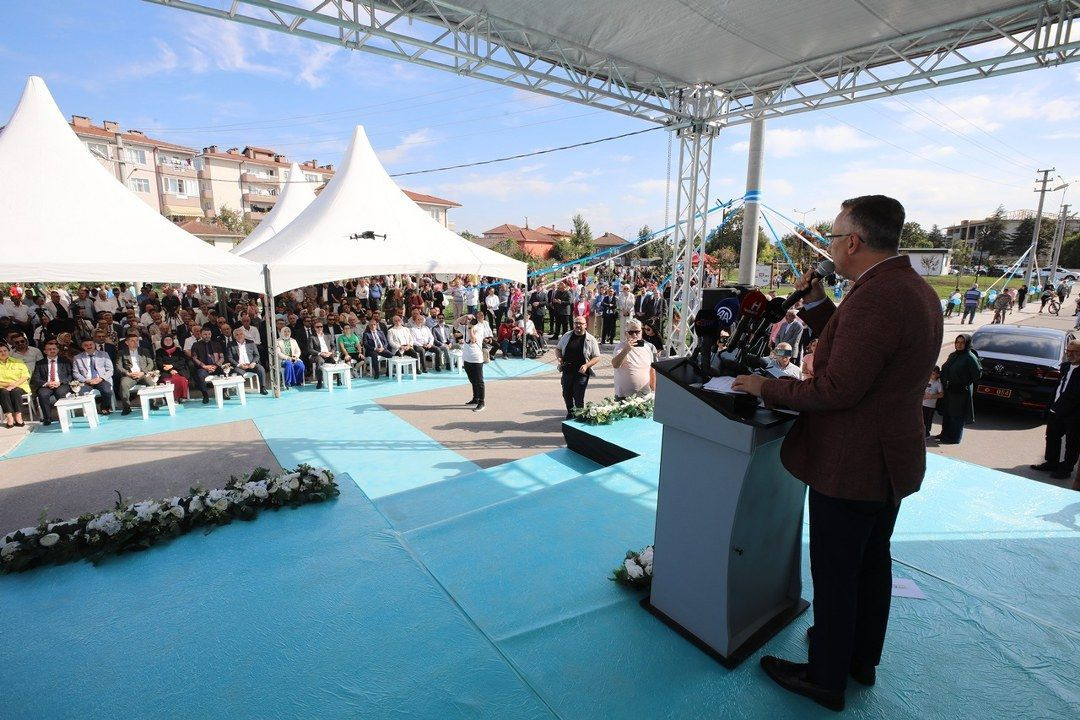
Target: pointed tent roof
(317,246)
(297,195)
(101,230)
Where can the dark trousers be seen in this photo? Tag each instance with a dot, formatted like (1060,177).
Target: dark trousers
(952,428)
(373,356)
(421,363)
(969,312)
(607,333)
(928,418)
(574,385)
(11,400)
(560,324)
(475,373)
(48,396)
(1056,429)
(538,321)
(200,377)
(852,574)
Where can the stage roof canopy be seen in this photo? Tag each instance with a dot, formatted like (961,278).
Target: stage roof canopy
(639,57)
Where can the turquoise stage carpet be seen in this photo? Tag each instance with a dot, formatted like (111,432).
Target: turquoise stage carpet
(432,589)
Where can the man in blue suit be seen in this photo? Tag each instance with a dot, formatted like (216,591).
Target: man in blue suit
(375,346)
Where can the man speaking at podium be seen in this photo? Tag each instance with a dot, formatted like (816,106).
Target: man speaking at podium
(858,441)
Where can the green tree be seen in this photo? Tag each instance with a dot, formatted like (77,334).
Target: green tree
(234,220)
(1020,240)
(992,239)
(468,235)
(1070,251)
(646,251)
(913,236)
(564,250)
(936,237)
(582,237)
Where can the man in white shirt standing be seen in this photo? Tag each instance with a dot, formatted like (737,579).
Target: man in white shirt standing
(632,363)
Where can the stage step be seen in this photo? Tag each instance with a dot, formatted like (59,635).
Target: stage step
(449,498)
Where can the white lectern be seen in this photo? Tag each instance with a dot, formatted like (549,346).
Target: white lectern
(727,554)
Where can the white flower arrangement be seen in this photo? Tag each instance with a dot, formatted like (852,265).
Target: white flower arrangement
(136,526)
(609,410)
(636,569)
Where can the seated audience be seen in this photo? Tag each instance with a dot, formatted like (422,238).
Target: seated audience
(174,367)
(94,369)
(376,345)
(289,353)
(401,342)
(208,355)
(52,377)
(14,384)
(244,356)
(135,365)
(321,349)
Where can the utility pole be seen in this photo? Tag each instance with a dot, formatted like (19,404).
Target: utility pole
(1059,238)
(1038,221)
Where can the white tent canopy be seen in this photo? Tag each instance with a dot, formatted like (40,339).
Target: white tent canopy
(64,217)
(297,195)
(318,245)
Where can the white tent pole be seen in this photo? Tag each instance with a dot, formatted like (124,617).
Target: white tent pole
(274,368)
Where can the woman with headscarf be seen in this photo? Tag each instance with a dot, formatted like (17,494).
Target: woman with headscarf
(173,365)
(289,353)
(958,376)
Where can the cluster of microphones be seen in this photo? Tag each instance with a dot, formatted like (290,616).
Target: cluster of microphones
(748,318)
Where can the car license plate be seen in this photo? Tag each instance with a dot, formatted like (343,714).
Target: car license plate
(997,392)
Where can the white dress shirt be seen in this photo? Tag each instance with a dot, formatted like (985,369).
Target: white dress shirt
(242,354)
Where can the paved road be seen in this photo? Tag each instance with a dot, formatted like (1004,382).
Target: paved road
(1001,437)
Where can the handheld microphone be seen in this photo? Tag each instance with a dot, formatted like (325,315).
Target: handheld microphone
(824,269)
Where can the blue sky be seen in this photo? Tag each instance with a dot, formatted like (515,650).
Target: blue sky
(948,154)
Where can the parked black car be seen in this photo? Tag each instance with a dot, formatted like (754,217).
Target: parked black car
(1021,365)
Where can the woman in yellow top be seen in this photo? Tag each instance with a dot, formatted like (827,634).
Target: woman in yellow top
(14,383)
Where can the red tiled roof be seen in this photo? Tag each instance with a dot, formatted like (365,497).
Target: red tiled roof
(553,231)
(134,137)
(504,229)
(198,227)
(609,239)
(430,199)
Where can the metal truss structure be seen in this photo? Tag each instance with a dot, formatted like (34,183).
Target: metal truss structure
(691,216)
(473,43)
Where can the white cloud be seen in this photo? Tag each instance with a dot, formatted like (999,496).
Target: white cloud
(936,151)
(408,144)
(166,61)
(784,142)
(521,184)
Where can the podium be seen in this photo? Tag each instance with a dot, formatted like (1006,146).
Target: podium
(728,543)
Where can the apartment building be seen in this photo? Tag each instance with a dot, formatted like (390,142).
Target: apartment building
(184,184)
(248,180)
(162,174)
(969,230)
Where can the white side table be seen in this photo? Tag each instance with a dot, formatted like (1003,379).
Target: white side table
(156,392)
(399,364)
(232,382)
(68,406)
(332,370)
(383,362)
(455,361)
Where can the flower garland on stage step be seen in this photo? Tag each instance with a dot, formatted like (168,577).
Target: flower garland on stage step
(636,570)
(609,410)
(137,526)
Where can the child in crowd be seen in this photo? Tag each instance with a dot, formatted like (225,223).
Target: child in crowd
(934,391)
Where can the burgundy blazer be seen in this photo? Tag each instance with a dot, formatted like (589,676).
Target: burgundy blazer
(860,434)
